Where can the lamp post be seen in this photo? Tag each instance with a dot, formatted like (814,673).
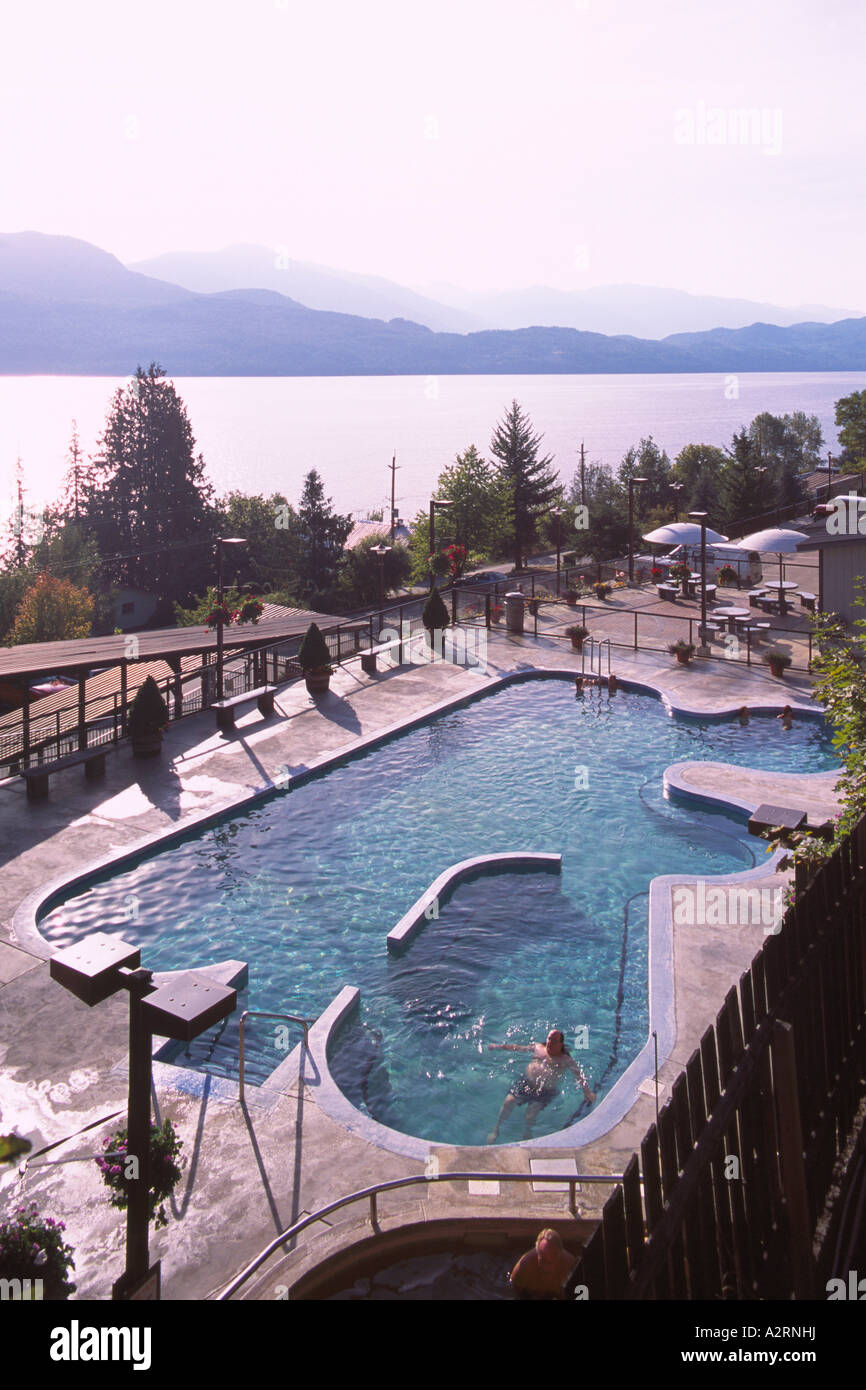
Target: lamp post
(380,551)
(434,503)
(632,484)
(829,474)
(676,489)
(221,541)
(703,650)
(556,513)
(95,969)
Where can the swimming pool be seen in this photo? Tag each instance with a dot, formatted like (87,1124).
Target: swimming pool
(306,884)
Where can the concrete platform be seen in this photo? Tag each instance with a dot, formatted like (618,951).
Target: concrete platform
(254,1169)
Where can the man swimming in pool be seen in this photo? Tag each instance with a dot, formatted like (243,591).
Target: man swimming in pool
(539,1085)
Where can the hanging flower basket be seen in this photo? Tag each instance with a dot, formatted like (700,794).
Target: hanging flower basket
(250,610)
(31,1248)
(219,615)
(165,1171)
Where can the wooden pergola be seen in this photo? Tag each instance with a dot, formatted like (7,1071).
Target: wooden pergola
(181,649)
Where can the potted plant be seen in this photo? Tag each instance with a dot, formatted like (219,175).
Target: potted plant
(657,574)
(571,597)
(148,719)
(680,574)
(496,611)
(682,650)
(727,575)
(601,590)
(435,615)
(777,660)
(31,1249)
(577,632)
(532,605)
(165,1171)
(220,613)
(315,661)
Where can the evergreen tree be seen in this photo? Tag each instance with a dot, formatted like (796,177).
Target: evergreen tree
(78,484)
(272,557)
(533,483)
(607,503)
(650,462)
(851,422)
(700,468)
(744,492)
(322,534)
(152,503)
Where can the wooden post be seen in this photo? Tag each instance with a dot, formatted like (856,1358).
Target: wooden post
(791,1154)
(177,687)
(82,708)
(124,696)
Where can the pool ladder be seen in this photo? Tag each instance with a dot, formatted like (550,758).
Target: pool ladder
(594,645)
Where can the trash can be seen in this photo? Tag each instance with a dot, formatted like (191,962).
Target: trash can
(514,611)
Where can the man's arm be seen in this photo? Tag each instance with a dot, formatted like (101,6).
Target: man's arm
(588,1095)
(511,1047)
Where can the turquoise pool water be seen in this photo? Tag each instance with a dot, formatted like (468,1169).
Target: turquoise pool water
(306,885)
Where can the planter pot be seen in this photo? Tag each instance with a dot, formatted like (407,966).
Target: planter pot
(533,607)
(318,681)
(577,643)
(777,669)
(683,659)
(147,745)
(571,600)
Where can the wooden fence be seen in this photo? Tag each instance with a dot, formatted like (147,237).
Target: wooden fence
(726,1195)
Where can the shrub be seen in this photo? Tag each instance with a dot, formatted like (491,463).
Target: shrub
(149,713)
(601,590)
(577,630)
(32,1247)
(776,657)
(727,575)
(679,572)
(435,614)
(165,1171)
(681,648)
(314,654)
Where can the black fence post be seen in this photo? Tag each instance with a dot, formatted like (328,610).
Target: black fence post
(453,605)
(487,618)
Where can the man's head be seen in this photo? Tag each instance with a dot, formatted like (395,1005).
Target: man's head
(548,1246)
(555,1042)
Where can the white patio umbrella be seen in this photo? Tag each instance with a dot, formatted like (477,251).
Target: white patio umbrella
(681,533)
(775,541)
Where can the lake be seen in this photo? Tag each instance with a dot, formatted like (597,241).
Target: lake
(262,434)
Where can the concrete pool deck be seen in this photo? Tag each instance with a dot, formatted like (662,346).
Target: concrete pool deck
(254,1170)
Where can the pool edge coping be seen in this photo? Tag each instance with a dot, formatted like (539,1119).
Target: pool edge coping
(24,926)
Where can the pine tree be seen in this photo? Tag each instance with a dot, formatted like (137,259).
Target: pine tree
(743,488)
(78,483)
(152,503)
(534,484)
(323,534)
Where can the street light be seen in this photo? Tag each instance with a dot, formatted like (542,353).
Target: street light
(703,650)
(632,484)
(557,513)
(380,551)
(221,541)
(434,503)
(676,489)
(191,1003)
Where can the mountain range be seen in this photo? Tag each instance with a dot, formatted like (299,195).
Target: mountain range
(68,307)
(639,310)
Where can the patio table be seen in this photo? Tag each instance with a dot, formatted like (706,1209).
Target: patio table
(730,616)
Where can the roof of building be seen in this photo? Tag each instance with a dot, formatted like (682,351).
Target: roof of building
(362,530)
(276,624)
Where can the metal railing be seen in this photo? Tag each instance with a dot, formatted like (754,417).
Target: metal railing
(594,645)
(371,1195)
(305,1023)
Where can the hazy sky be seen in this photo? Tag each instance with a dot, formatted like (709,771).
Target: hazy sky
(489,143)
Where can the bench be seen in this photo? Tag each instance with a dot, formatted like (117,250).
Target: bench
(768,605)
(755,595)
(226,709)
(668,591)
(36,778)
(807,600)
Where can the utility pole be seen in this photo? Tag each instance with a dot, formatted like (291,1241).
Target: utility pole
(393,467)
(582,477)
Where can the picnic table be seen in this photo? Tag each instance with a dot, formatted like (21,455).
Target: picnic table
(730,616)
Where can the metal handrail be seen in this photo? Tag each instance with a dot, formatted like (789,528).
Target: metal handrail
(371,1194)
(259,1013)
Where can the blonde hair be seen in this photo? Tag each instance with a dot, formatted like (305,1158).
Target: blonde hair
(547,1234)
